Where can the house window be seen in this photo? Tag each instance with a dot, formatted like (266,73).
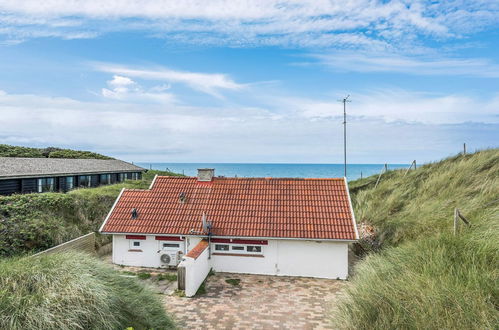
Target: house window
(122,177)
(135,176)
(45,184)
(237,248)
(69,182)
(84,180)
(170,245)
(254,248)
(105,178)
(221,247)
(135,245)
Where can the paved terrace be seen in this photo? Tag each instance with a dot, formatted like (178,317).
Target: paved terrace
(258,302)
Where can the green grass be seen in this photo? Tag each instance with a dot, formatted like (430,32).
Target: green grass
(144,275)
(74,291)
(34,222)
(233,281)
(424,277)
(202,289)
(167,276)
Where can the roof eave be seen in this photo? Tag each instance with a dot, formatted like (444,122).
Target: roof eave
(235,237)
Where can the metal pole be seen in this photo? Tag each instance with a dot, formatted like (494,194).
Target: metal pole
(345,134)
(464,149)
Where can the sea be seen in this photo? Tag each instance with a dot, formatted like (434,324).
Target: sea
(354,171)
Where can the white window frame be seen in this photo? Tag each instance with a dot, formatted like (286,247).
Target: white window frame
(232,251)
(132,244)
(170,247)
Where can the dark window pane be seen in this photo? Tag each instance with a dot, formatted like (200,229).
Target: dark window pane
(171,245)
(252,248)
(238,248)
(136,243)
(220,247)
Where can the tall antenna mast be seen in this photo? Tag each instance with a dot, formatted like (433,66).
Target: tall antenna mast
(345,100)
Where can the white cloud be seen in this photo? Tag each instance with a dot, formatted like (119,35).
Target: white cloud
(210,83)
(176,133)
(295,22)
(123,88)
(417,65)
(398,105)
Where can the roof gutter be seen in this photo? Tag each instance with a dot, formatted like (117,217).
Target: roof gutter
(238,237)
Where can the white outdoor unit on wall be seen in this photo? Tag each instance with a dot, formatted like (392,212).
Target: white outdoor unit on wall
(170,253)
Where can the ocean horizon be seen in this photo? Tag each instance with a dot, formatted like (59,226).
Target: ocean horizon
(275,170)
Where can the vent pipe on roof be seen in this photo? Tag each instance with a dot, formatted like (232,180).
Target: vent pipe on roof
(182,198)
(135,214)
(206,174)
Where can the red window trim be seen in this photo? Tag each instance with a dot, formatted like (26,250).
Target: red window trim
(169,238)
(239,241)
(135,237)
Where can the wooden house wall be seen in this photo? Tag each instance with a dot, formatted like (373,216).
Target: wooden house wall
(8,187)
(30,185)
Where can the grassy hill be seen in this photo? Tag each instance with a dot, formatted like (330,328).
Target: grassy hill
(50,152)
(74,291)
(419,275)
(34,222)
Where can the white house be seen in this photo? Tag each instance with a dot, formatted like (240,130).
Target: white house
(271,226)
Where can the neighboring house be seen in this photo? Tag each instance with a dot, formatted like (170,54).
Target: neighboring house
(27,175)
(273,226)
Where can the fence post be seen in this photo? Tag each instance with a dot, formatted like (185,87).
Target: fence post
(181,277)
(457,216)
(379,177)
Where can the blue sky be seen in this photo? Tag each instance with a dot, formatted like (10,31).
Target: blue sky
(239,81)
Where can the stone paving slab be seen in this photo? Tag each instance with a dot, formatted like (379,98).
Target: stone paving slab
(258,302)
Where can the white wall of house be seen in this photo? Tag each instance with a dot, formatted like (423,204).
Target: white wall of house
(322,259)
(196,271)
(146,255)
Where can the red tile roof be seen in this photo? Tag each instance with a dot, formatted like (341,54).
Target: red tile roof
(238,207)
(196,251)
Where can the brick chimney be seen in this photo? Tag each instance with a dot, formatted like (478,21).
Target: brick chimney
(206,174)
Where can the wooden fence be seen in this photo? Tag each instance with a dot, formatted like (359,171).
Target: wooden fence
(85,243)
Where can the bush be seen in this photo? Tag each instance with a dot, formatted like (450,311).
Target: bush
(34,222)
(50,152)
(74,291)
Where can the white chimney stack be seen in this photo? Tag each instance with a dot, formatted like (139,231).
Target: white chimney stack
(206,174)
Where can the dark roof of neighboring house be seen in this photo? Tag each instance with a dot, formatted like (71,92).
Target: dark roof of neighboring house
(238,207)
(14,167)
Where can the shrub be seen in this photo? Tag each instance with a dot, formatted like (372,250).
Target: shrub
(34,222)
(50,152)
(74,291)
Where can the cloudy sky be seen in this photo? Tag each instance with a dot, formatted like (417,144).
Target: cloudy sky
(251,81)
